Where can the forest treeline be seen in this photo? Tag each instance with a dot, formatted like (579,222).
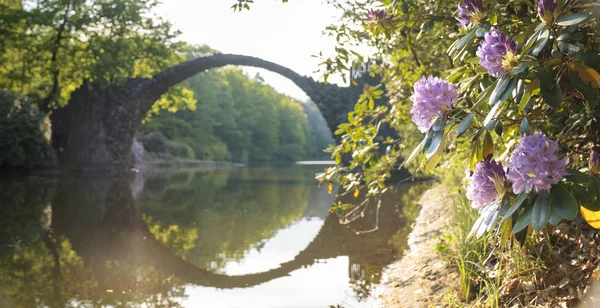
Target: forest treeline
(238,118)
(51,48)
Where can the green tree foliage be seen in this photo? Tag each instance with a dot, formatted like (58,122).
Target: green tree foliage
(209,218)
(24,134)
(51,46)
(239,118)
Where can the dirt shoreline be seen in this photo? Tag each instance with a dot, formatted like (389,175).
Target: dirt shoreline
(421,277)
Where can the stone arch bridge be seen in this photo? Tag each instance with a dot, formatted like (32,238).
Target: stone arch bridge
(96,129)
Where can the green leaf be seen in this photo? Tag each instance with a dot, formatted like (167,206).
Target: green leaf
(414,153)
(518,69)
(435,158)
(523,220)
(591,59)
(571,20)
(542,40)
(500,88)
(569,48)
(576,176)
(541,211)
(563,202)
(548,87)
(439,124)
(491,114)
(435,144)
(533,38)
(464,124)
(466,39)
(554,217)
(524,127)
(498,129)
(520,198)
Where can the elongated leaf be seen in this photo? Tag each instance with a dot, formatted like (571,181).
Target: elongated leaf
(588,75)
(554,217)
(488,222)
(548,87)
(439,124)
(590,94)
(569,48)
(542,40)
(491,114)
(571,20)
(434,159)
(436,142)
(499,129)
(591,217)
(464,124)
(523,220)
(501,86)
(532,38)
(477,223)
(488,146)
(484,95)
(591,59)
(563,202)
(524,127)
(576,176)
(414,153)
(520,198)
(466,39)
(510,89)
(532,89)
(475,154)
(518,69)
(541,211)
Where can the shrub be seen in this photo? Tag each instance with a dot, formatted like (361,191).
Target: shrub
(180,149)
(155,143)
(517,101)
(24,134)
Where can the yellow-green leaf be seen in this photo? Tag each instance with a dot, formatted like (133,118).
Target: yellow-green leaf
(588,75)
(488,146)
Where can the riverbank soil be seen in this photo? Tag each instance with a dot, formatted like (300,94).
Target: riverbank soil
(422,277)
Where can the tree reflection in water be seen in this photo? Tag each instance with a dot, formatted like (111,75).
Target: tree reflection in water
(97,240)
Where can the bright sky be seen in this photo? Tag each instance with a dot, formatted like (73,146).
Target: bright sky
(287,34)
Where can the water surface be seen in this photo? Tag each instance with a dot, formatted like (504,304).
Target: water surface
(246,237)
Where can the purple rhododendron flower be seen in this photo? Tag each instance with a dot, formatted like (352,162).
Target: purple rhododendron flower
(487,184)
(534,164)
(492,50)
(375,15)
(433,97)
(546,10)
(469,11)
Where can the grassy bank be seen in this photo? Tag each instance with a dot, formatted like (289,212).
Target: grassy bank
(552,268)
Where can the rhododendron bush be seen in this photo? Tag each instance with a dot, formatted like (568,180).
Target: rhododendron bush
(509,89)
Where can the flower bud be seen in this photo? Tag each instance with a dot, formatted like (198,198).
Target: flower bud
(546,9)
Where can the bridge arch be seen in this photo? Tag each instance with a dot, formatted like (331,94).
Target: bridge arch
(96,129)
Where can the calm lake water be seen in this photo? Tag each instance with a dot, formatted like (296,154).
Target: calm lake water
(247,237)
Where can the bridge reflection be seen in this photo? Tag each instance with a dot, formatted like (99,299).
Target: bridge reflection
(91,241)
